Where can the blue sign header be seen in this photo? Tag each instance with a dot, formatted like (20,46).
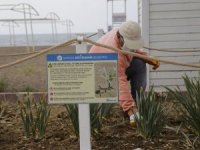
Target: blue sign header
(82,57)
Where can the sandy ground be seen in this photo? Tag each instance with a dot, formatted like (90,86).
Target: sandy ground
(30,75)
(116,134)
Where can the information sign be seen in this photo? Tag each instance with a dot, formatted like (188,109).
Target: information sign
(82,78)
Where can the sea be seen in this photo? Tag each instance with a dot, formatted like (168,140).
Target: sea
(40,39)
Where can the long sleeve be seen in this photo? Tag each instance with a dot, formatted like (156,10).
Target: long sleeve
(125,97)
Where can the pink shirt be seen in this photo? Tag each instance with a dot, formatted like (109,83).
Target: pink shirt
(125,98)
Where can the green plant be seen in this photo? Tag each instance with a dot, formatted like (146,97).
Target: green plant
(27,70)
(42,116)
(72,110)
(189,102)
(3,109)
(34,117)
(3,85)
(189,142)
(26,114)
(28,88)
(98,112)
(151,118)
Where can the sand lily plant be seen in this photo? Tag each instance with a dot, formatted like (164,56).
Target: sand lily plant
(189,102)
(98,112)
(42,116)
(151,118)
(72,110)
(34,117)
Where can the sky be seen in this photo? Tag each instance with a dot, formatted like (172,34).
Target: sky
(86,15)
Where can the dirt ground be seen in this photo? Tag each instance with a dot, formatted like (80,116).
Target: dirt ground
(116,133)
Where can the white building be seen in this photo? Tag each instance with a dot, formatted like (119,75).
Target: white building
(171,24)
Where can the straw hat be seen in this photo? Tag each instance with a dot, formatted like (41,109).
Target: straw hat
(131,33)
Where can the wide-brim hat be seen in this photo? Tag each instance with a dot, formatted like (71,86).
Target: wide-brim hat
(131,33)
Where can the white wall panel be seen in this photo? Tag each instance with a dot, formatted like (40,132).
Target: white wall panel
(172,1)
(175,30)
(174,14)
(163,89)
(166,82)
(174,54)
(172,75)
(175,37)
(169,67)
(175,7)
(176,44)
(173,24)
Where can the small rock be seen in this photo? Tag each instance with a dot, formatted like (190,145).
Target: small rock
(2,121)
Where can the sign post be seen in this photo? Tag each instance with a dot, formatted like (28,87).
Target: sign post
(82,78)
(84,111)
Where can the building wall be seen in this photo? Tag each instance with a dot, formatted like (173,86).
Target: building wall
(171,24)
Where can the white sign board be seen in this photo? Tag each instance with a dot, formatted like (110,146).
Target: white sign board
(82,78)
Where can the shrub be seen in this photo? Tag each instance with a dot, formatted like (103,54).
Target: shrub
(190,102)
(151,118)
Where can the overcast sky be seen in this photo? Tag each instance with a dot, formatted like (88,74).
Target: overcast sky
(87,15)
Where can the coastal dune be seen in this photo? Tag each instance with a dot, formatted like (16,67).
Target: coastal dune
(30,75)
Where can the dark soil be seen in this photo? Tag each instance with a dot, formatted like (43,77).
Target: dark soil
(116,133)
